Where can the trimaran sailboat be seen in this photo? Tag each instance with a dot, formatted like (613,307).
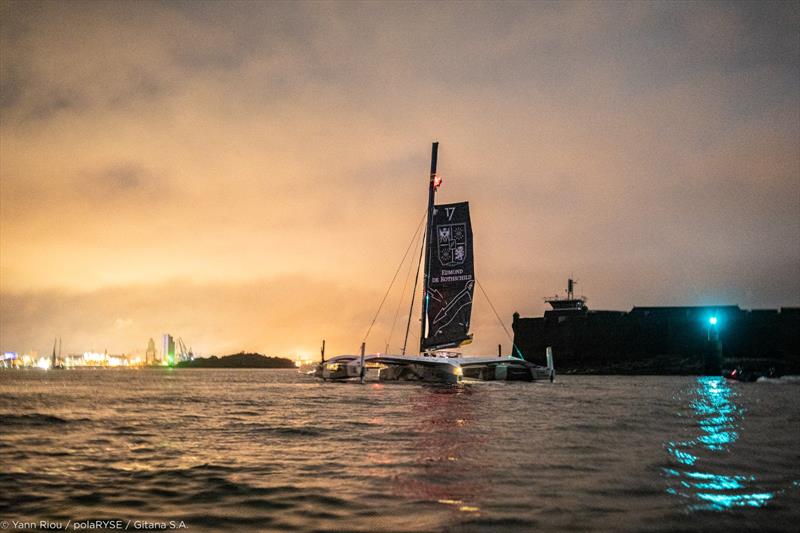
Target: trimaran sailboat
(449,282)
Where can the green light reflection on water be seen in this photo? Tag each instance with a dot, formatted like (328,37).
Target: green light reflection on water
(718,417)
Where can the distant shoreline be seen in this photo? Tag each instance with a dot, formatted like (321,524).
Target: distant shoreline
(239,360)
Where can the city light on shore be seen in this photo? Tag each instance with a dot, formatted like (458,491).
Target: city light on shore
(87,359)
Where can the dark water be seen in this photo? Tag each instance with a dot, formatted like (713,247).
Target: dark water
(269,450)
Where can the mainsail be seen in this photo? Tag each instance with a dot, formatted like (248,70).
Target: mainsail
(451,277)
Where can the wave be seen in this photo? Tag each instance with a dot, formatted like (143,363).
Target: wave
(36,419)
(795,380)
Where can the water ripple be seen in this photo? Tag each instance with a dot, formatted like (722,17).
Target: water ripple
(261,450)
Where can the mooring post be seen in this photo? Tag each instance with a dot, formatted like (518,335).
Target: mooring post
(363,370)
(322,351)
(499,350)
(550,365)
(713,355)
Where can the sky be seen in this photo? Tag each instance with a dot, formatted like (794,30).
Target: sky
(247,176)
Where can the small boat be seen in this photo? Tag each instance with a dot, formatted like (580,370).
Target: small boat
(449,283)
(746,375)
(56,362)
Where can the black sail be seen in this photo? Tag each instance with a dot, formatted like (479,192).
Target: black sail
(451,281)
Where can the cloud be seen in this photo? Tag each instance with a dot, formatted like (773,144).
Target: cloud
(125,182)
(270,315)
(122,323)
(650,149)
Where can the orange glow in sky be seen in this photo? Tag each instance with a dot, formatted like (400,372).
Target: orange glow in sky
(247,175)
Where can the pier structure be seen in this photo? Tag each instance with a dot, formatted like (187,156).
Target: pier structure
(660,340)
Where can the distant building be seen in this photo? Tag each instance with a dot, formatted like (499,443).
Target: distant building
(168,355)
(150,354)
(97,359)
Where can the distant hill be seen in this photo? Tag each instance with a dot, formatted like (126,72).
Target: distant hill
(239,360)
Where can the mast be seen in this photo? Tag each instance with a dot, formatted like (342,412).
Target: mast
(431,194)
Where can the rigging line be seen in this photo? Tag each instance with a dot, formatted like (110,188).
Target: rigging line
(413,294)
(414,238)
(513,346)
(400,300)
